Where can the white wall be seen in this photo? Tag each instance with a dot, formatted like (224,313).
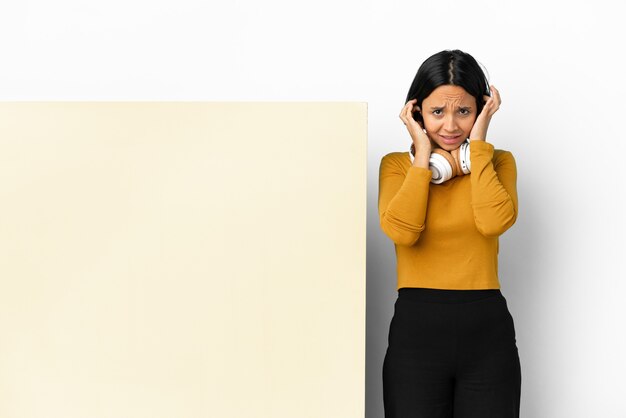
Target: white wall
(558,67)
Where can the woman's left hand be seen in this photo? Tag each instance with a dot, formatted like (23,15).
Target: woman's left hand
(479,130)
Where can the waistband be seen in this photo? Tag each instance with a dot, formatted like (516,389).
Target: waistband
(421,294)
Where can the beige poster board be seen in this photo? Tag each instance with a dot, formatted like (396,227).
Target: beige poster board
(182,259)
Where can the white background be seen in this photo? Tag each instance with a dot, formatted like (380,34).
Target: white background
(558,66)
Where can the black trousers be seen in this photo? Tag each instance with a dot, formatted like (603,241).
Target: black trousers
(451,354)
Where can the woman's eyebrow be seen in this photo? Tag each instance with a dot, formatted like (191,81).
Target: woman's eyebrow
(441,107)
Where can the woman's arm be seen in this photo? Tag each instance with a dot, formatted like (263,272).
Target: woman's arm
(402,200)
(494,189)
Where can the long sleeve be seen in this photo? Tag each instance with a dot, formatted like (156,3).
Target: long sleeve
(494,189)
(402,200)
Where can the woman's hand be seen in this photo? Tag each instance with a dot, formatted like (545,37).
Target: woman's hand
(479,130)
(420,139)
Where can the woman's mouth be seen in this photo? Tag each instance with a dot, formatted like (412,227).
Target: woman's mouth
(450,139)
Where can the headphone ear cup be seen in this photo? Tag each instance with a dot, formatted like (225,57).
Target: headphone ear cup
(463,158)
(442,165)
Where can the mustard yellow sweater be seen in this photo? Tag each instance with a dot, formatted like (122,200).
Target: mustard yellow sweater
(446,235)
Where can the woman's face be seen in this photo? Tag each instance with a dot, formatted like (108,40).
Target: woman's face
(449,111)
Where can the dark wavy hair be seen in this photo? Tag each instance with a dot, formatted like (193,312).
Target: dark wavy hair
(449,67)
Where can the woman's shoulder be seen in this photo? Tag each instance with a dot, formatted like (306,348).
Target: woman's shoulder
(396,155)
(398,159)
(502,155)
(503,158)
(498,153)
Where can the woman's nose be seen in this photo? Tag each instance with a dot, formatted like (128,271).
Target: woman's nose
(450,123)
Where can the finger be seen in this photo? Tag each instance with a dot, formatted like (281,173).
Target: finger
(496,100)
(403,114)
(491,106)
(406,109)
(497,96)
(488,101)
(411,109)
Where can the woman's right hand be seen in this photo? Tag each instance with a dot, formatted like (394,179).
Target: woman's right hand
(420,138)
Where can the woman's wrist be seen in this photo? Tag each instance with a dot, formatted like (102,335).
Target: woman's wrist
(422,157)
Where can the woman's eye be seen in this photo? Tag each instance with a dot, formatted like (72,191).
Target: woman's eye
(467,112)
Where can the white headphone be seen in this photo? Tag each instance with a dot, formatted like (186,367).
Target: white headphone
(446,165)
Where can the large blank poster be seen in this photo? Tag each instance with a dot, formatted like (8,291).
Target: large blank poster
(182,259)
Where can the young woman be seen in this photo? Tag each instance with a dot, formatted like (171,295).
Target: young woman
(451,349)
